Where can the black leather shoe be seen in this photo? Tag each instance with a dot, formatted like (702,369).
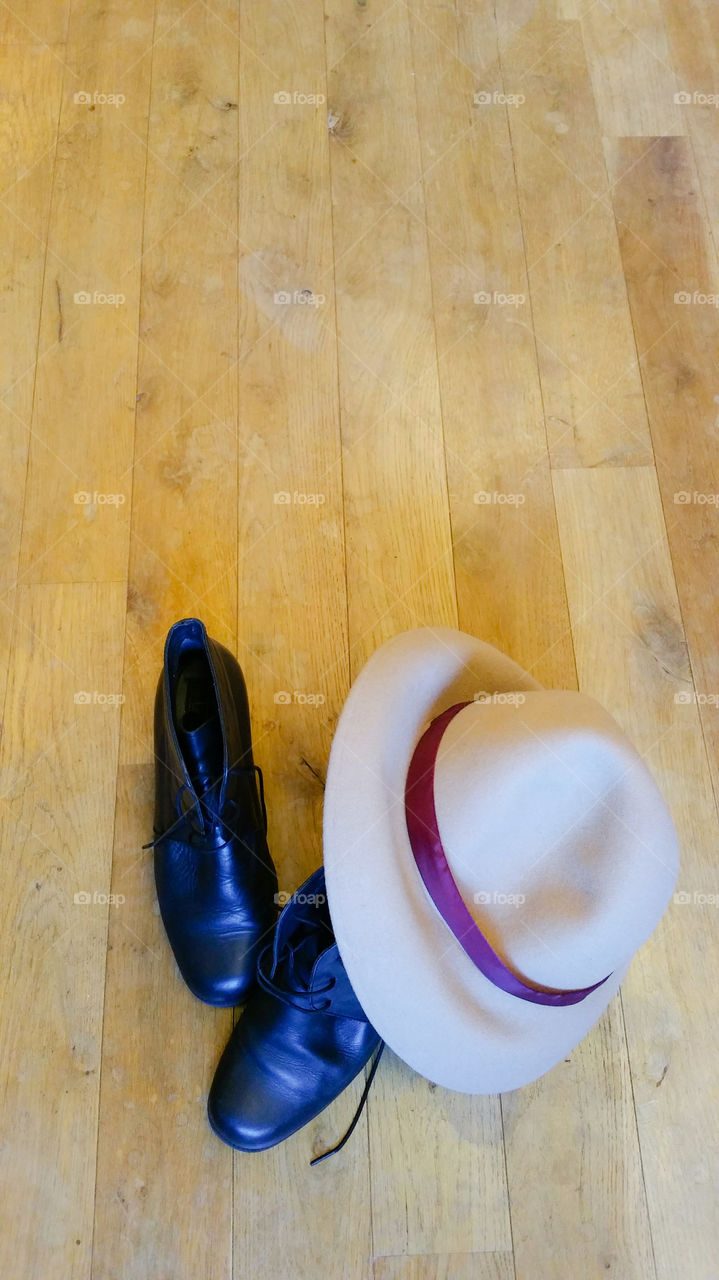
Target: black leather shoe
(302,1037)
(216,882)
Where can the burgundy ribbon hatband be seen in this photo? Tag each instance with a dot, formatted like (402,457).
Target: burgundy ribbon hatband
(441,886)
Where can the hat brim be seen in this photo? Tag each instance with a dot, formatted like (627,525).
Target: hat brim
(417,985)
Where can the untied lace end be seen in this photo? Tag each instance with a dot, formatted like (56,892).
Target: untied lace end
(333,1150)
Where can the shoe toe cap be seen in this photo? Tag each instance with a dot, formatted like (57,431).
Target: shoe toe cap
(245,1108)
(219,970)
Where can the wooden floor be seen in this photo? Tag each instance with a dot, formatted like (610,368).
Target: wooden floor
(323,320)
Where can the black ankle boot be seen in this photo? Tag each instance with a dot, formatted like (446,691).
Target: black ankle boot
(302,1038)
(216,882)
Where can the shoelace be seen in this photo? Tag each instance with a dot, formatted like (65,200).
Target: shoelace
(338,1146)
(285,994)
(202,809)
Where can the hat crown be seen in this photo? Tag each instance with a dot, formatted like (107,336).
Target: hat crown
(555,833)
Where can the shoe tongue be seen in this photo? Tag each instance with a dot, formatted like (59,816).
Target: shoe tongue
(304,955)
(298,946)
(302,930)
(201,750)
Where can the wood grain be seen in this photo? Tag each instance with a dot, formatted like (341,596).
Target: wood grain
(633,79)
(590,379)
(58,759)
(77,506)
(631,655)
(160,1049)
(458,1266)
(501,500)
(291,576)
(399,346)
(693,34)
(28,130)
(670,267)
(160,1044)
(35,24)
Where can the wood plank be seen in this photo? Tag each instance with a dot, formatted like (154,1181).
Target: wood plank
(668,255)
(292,625)
(437,1166)
(58,760)
(630,67)
(185,458)
(397,527)
(291,571)
(161,1045)
(631,655)
(36,24)
(587,358)
(510,587)
(448,1266)
(693,34)
(77,506)
(437,1182)
(32,81)
(160,1050)
(574,1167)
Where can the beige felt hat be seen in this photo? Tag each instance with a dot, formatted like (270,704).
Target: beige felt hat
(495,853)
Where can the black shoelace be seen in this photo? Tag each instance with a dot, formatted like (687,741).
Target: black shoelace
(348,1134)
(202,809)
(295,993)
